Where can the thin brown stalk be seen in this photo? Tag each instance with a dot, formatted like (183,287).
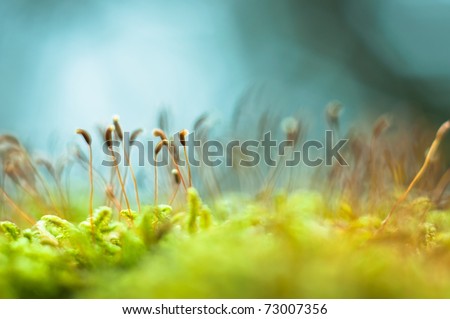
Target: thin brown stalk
(177,180)
(381,125)
(183,134)
(178,169)
(156,181)
(24,215)
(13,174)
(443,183)
(119,131)
(56,179)
(164,142)
(133,178)
(112,198)
(88,140)
(84,163)
(428,159)
(108,138)
(42,181)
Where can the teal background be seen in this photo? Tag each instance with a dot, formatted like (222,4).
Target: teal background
(69,64)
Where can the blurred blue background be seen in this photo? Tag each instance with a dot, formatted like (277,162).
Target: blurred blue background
(69,64)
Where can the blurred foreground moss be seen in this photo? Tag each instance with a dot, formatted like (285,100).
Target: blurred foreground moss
(293,246)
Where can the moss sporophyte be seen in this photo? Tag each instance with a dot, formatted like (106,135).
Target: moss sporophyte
(376,228)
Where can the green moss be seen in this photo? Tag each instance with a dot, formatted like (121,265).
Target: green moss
(290,247)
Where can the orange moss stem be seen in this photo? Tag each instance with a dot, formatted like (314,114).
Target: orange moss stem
(156,181)
(24,215)
(133,177)
(430,155)
(91,193)
(188,166)
(119,176)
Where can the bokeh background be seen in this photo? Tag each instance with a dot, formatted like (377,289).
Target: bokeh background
(69,64)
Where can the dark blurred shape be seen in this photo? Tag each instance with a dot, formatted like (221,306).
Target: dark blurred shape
(397,51)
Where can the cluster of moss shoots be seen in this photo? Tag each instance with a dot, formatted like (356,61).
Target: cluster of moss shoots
(377,228)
